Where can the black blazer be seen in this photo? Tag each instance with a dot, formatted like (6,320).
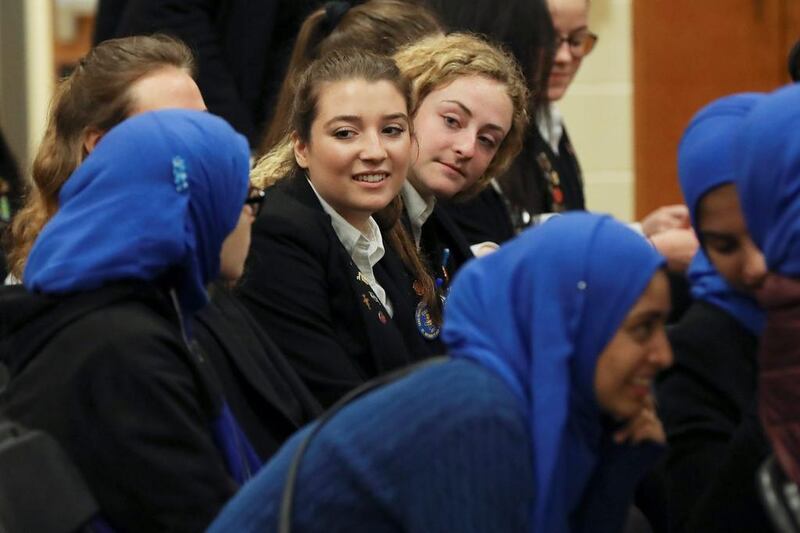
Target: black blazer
(108,374)
(265,394)
(440,232)
(242,47)
(702,400)
(302,286)
(496,217)
(731,503)
(525,185)
(482,218)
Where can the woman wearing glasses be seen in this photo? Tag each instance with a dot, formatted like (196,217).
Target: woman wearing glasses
(98,343)
(118,79)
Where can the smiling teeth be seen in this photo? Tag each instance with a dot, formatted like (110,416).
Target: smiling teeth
(371,178)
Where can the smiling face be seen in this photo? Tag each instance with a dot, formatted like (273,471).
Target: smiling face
(570,17)
(639,349)
(359,147)
(459,128)
(726,241)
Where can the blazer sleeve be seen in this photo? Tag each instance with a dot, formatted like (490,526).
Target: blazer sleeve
(290,287)
(138,427)
(702,398)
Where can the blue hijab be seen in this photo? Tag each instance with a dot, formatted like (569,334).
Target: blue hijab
(769,182)
(539,312)
(706,160)
(156,198)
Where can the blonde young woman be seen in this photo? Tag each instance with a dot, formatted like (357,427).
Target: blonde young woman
(469,107)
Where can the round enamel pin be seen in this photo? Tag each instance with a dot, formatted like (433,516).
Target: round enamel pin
(425,325)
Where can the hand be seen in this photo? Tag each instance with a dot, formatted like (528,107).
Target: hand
(679,247)
(484,248)
(643,427)
(665,218)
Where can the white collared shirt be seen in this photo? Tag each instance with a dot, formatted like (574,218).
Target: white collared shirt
(417,208)
(365,250)
(551,130)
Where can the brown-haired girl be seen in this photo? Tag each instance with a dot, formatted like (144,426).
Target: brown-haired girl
(320,277)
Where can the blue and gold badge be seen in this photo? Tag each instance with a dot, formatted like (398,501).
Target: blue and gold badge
(425,324)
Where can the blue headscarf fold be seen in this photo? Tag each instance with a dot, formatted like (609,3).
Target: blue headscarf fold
(539,312)
(156,197)
(709,286)
(768,151)
(707,159)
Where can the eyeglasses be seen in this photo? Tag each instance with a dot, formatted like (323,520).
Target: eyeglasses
(580,43)
(255,199)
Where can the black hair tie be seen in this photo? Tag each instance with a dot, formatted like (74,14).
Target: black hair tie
(334,11)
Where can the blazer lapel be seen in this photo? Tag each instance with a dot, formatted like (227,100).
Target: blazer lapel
(253,372)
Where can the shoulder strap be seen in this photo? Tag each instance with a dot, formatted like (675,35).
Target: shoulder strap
(61,503)
(287,498)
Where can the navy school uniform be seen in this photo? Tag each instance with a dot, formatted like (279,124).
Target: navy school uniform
(107,373)
(440,232)
(482,218)
(703,400)
(303,288)
(265,394)
(539,181)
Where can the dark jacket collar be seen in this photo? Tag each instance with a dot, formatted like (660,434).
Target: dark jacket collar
(29,320)
(298,187)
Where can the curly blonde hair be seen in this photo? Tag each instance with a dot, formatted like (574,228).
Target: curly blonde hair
(436,61)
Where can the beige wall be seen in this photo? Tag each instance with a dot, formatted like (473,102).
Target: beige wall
(598,111)
(26,73)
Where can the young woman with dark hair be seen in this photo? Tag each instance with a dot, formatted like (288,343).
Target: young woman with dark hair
(707,399)
(321,279)
(767,189)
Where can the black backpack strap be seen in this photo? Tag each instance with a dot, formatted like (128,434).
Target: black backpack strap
(40,489)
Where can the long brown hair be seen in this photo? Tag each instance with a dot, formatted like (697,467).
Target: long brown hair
(95,96)
(336,66)
(380,26)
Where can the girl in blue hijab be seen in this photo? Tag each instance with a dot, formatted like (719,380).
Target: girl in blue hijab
(769,191)
(553,347)
(709,392)
(98,349)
